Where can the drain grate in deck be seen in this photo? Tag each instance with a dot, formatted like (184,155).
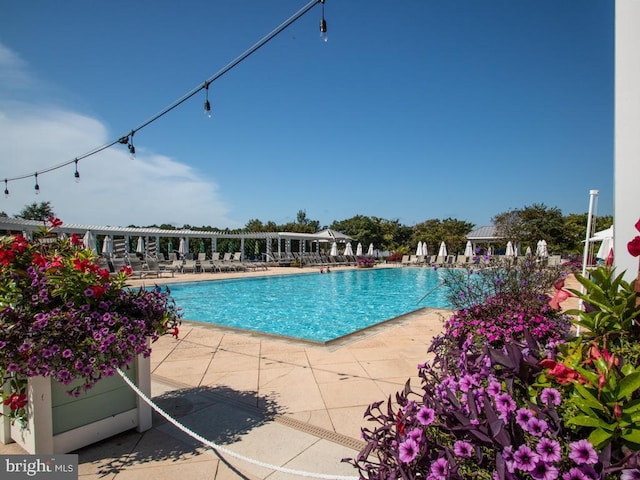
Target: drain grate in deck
(320,432)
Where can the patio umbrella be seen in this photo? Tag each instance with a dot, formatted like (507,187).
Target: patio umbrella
(89,241)
(528,252)
(370,251)
(425,252)
(541,248)
(182,248)
(419,249)
(468,249)
(140,245)
(359,249)
(348,250)
(443,250)
(334,249)
(606,247)
(509,252)
(107,246)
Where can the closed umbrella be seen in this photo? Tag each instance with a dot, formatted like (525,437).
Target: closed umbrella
(606,247)
(509,251)
(528,252)
(370,251)
(140,245)
(359,249)
(89,241)
(107,246)
(468,249)
(182,248)
(334,249)
(425,252)
(348,250)
(443,250)
(419,249)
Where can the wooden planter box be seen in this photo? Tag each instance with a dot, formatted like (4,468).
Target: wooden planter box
(60,423)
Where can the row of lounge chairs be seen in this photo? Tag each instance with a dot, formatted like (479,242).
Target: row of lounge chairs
(463,261)
(310,259)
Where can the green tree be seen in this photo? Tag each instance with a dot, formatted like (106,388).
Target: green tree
(450,230)
(37,211)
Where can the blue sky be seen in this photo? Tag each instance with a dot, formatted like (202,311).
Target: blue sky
(413,110)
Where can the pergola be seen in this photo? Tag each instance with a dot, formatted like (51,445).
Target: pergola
(274,241)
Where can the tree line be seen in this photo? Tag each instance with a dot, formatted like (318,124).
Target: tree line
(524,226)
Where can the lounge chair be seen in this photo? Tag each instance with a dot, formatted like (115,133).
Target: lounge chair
(190,266)
(176,266)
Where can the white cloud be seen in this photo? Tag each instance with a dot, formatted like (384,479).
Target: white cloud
(113,190)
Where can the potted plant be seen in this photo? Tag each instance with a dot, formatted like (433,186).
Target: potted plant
(66,325)
(365,262)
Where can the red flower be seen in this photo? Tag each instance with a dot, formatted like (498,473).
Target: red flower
(637,225)
(20,243)
(127,269)
(175,332)
(634,245)
(39,260)
(104,274)
(16,401)
(55,222)
(6,257)
(76,240)
(561,372)
(98,291)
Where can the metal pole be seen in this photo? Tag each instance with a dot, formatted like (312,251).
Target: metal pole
(585,257)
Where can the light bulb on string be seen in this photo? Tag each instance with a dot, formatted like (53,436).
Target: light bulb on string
(323,25)
(6,188)
(76,175)
(207,105)
(36,187)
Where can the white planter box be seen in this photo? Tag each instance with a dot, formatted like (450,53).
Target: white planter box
(60,423)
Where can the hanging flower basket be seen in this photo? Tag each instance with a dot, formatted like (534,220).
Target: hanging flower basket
(66,325)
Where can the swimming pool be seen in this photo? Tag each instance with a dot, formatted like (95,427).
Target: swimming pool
(315,307)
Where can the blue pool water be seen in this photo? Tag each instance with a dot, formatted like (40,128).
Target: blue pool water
(316,307)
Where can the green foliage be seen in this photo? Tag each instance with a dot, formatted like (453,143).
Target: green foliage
(37,211)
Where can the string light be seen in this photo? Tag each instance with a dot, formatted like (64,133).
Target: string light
(128,139)
(323,25)
(6,188)
(207,105)
(76,175)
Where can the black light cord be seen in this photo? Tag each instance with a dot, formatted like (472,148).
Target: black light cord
(182,99)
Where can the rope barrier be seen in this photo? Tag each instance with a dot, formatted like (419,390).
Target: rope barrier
(222,449)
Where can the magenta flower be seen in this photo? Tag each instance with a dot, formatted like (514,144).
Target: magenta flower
(582,452)
(439,469)
(537,427)
(426,416)
(494,389)
(463,449)
(505,405)
(575,474)
(633,474)
(550,396)
(525,459)
(408,450)
(544,471)
(549,450)
(523,415)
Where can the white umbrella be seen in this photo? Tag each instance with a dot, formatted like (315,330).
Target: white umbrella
(182,248)
(348,250)
(334,249)
(528,252)
(468,249)
(443,250)
(140,245)
(606,247)
(419,249)
(425,252)
(541,248)
(509,252)
(89,241)
(359,249)
(370,251)
(107,246)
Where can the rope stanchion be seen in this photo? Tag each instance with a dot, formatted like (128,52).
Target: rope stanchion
(222,449)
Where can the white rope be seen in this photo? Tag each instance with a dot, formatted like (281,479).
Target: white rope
(222,449)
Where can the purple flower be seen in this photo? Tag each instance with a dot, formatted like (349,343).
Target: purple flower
(494,389)
(544,471)
(582,452)
(439,469)
(550,395)
(549,450)
(574,474)
(67,353)
(467,382)
(426,416)
(88,292)
(523,415)
(416,435)
(505,405)
(463,449)
(525,459)
(408,450)
(633,474)
(537,427)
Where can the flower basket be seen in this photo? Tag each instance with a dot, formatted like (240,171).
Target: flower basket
(58,423)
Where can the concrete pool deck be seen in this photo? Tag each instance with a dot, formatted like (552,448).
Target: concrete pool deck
(284,402)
